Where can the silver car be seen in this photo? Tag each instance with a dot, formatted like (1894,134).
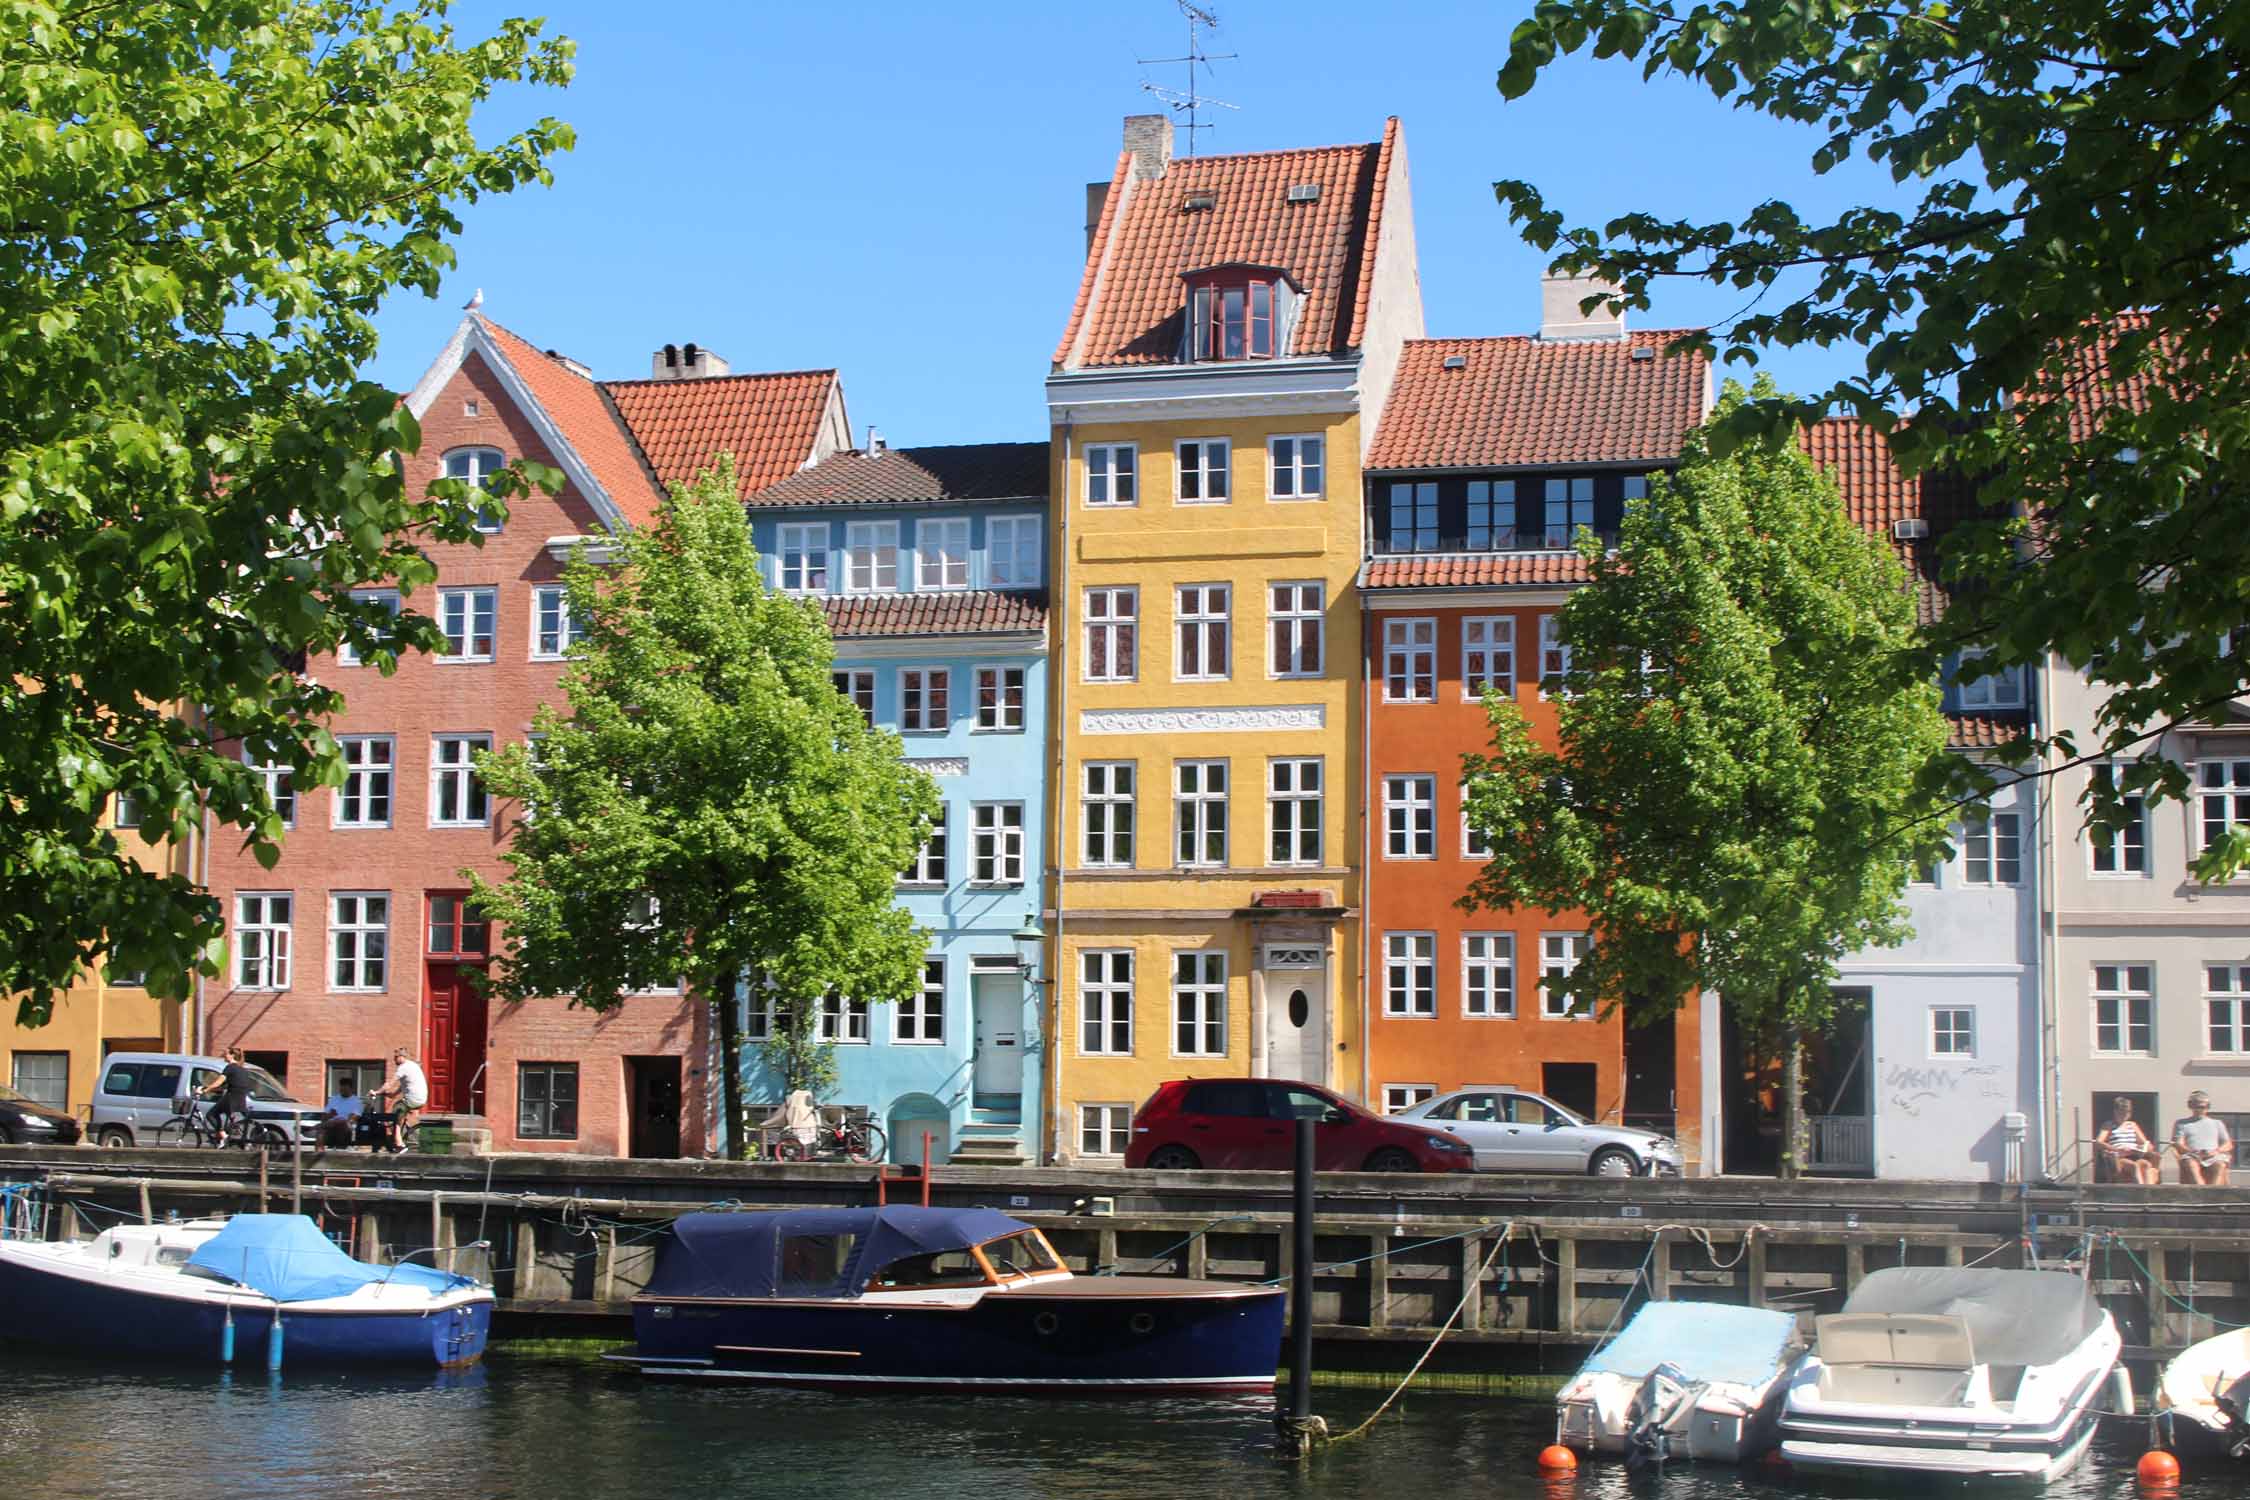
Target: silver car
(1514,1130)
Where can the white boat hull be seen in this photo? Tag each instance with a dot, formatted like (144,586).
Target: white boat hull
(1729,1424)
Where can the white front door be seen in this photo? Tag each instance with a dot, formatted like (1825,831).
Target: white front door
(998,999)
(1296,985)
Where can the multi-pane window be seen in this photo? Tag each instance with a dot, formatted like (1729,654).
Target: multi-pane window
(261,940)
(1401,1096)
(1293,803)
(1104,1129)
(1105,1001)
(1488,655)
(996,836)
(1199,1004)
(458,929)
(922,700)
(364,801)
(1109,814)
(1570,505)
(1296,468)
(1203,470)
(555,627)
(871,557)
(1559,955)
(457,795)
(1011,552)
(1299,614)
(477,466)
(1492,515)
(1200,802)
(1953,1031)
(803,550)
(842,1020)
(2124,1008)
(1992,850)
(1474,845)
(468,618)
(859,686)
(547,1101)
(1112,627)
(1554,658)
(1410,661)
(2224,797)
(928,866)
(1111,473)
(920,1017)
(281,786)
(359,939)
(2226,1009)
(1202,618)
(1231,322)
(941,554)
(1410,974)
(1488,975)
(1410,817)
(2002,689)
(2124,850)
(1000,699)
(42,1077)
(386,599)
(1414,516)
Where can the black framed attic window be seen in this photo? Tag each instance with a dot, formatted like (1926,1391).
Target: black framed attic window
(1522,513)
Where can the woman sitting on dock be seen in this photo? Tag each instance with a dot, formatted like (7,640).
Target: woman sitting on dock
(2131,1155)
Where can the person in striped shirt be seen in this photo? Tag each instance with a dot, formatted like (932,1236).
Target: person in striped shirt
(2131,1155)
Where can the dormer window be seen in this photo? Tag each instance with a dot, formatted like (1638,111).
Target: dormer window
(1237,312)
(2001,690)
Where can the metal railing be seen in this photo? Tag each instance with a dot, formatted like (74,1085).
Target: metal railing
(1842,1143)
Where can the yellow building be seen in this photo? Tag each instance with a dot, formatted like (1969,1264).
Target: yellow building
(1233,341)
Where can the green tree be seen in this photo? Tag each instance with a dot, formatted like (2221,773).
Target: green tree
(1742,773)
(711,807)
(202,204)
(2074,208)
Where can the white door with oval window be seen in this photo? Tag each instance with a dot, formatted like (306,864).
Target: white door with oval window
(1296,985)
(998,1015)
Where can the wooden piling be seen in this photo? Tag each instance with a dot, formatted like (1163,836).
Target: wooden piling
(527,1257)
(1754,1269)
(1660,1268)
(1379,1283)
(1566,1286)
(148,1216)
(1472,1284)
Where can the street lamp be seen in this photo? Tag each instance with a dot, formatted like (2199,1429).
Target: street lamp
(1031,942)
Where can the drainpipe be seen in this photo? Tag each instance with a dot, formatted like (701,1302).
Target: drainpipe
(1366,854)
(199,861)
(2048,937)
(1058,688)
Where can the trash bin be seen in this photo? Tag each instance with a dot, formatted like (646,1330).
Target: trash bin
(434,1137)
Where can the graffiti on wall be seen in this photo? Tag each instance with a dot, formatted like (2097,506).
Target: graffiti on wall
(1914,1087)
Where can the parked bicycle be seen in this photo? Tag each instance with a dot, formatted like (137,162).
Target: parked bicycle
(197,1122)
(854,1140)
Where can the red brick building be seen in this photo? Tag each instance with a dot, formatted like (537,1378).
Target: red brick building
(358,939)
(1491,454)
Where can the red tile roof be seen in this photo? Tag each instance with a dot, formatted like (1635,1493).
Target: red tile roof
(958,471)
(1877,496)
(1985,731)
(2089,385)
(980,612)
(1455,570)
(768,422)
(1520,402)
(576,405)
(1131,299)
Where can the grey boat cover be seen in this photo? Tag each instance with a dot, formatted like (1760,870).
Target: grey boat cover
(2014,1317)
(815,1252)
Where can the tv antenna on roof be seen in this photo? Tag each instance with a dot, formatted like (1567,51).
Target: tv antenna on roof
(1190,101)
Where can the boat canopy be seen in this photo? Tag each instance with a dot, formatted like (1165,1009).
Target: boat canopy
(2013,1317)
(1704,1340)
(822,1252)
(287,1258)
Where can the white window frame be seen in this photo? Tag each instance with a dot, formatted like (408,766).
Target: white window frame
(1202,618)
(1199,1002)
(1113,475)
(1472,846)
(919,1019)
(1003,690)
(2222,798)
(1296,808)
(933,544)
(1199,813)
(1404,1096)
(928,867)
(871,553)
(1410,659)
(453,772)
(1287,477)
(1295,621)
(804,549)
(1412,955)
(925,700)
(856,686)
(1109,1123)
(281,785)
(1105,1003)
(1196,462)
(2002,691)
(1117,620)
(345,655)
(995,842)
(1488,976)
(360,769)
(1011,564)
(1953,1032)
(2126,998)
(2226,986)
(1985,846)
(2125,846)
(476,464)
(461,613)
(1409,816)
(359,942)
(1108,814)
(1488,654)
(842,1022)
(553,642)
(261,939)
(1554,658)
(1560,953)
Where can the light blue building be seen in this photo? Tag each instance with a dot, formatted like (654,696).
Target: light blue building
(931,565)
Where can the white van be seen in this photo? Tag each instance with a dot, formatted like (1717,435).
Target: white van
(137,1091)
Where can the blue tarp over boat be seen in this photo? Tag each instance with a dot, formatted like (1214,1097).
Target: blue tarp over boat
(1705,1340)
(822,1252)
(286,1257)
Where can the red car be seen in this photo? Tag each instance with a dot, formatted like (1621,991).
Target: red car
(1249,1124)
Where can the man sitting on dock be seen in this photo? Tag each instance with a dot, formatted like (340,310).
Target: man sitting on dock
(2205,1144)
(337,1125)
(2131,1155)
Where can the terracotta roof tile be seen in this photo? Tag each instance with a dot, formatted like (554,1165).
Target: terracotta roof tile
(1878,496)
(980,612)
(768,422)
(576,405)
(1985,731)
(1453,570)
(2092,389)
(1519,402)
(959,471)
(1131,300)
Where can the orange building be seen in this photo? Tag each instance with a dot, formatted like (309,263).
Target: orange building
(1491,455)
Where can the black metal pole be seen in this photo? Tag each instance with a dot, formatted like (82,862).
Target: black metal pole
(1301,1282)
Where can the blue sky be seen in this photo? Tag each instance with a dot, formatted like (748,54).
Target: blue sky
(898,190)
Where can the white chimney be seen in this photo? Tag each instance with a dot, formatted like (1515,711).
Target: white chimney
(685,362)
(1559,317)
(875,443)
(1149,138)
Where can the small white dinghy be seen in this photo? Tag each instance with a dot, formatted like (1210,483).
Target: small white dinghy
(2203,1399)
(1684,1380)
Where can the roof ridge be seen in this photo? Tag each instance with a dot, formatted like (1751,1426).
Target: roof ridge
(1097,257)
(730,375)
(1371,246)
(1533,338)
(1280,151)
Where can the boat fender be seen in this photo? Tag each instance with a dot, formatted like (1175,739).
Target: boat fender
(273,1341)
(2158,1470)
(226,1338)
(1555,1458)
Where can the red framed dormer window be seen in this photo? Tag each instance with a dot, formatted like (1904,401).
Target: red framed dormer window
(1235,312)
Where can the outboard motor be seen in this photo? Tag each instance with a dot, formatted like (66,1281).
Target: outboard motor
(1647,1442)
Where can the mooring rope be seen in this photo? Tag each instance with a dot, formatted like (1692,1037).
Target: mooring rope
(1476,1282)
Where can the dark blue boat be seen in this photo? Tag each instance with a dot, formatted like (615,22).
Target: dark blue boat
(935,1298)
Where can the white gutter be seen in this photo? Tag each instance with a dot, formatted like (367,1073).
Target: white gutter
(1058,679)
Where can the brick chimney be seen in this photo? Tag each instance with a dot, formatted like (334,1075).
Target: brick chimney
(685,362)
(1149,138)
(1559,317)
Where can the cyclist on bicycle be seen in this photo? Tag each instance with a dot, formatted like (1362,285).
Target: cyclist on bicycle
(233,1090)
(412,1091)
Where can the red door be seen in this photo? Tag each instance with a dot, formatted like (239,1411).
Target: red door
(453,1005)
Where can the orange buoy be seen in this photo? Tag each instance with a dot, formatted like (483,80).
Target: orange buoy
(1556,1458)
(2157,1469)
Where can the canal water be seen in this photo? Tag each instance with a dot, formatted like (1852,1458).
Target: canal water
(548,1429)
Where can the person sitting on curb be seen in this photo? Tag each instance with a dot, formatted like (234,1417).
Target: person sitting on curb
(2131,1155)
(337,1125)
(2205,1144)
